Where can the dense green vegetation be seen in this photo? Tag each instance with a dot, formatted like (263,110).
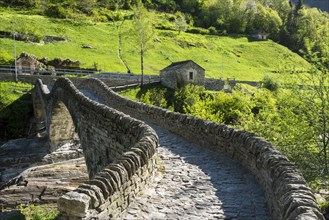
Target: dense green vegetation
(282,116)
(36,212)
(295,119)
(293,26)
(15,110)
(221,56)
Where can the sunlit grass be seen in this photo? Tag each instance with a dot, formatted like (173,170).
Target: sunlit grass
(221,56)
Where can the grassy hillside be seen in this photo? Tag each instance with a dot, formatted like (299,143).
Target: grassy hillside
(221,56)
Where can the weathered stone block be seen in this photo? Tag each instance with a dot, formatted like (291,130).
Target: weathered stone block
(74,204)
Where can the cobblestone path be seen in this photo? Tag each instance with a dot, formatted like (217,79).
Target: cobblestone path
(197,183)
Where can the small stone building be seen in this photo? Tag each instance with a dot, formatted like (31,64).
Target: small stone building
(28,63)
(180,74)
(259,35)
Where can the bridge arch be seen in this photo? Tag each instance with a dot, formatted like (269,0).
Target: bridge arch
(120,152)
(61,126)
(39,108)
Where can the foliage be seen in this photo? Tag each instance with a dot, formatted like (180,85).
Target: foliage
(143,29)
(155,97)
(285,117)
(180,23)
(5,58)
(44,212)
(270,84)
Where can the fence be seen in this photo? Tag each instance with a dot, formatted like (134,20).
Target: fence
(10,69)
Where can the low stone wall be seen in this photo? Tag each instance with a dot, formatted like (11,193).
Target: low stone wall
(219,84)
(120,153)
(129,76)
(50,80)
(286,190)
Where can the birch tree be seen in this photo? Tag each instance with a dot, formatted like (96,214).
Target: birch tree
(143,28)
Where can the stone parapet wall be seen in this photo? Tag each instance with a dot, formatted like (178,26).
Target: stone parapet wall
(286,191)
(219,84)
(129,77)
(120,153)
(50,80)
(214,84)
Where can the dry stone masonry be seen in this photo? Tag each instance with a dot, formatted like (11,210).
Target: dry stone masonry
(120,151)
(286,191)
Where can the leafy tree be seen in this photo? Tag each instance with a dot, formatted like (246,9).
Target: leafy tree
(180,23)
(268,20)
(144,31)
(316,98)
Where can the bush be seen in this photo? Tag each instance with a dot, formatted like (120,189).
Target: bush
(233,108)
(155,97)
(56,11)
(196,30)
(5,57)
(212,30)
(270,84)
(33,212)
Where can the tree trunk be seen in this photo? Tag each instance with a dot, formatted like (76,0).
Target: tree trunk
(142,67)
(120,47)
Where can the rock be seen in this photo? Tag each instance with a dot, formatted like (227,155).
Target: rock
(74,204)
(48,39)
(23,164)
(86,46)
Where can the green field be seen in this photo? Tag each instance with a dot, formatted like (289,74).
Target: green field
(221,56)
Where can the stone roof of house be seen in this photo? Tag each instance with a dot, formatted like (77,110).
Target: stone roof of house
(177,65)
(258,31)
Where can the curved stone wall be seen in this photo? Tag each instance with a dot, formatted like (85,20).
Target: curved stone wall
(120,151)
(286,190)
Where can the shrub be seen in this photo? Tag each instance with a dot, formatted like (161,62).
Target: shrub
(5,57)
(212,30)
(155,97)
(56,11)
(196,30)
(234,108)
(270,84)
(33,212)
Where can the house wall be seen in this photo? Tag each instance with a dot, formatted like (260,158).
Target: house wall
(168,79)
(183,76)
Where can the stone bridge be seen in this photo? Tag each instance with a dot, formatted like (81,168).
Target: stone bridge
(123,159)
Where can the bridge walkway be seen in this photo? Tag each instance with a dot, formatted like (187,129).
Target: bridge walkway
(197,183)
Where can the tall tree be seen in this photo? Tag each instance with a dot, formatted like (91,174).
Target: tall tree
(318,105)
(118,21)
(180,22)
(144,30)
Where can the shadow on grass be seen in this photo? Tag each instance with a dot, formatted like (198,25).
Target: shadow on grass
(14,118)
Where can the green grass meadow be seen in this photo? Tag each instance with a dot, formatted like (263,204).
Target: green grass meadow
(221,56)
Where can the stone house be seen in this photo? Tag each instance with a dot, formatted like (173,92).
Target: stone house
(180,74)
(28,63)
(259,35)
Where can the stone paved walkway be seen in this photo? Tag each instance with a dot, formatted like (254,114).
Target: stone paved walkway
(196,183)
